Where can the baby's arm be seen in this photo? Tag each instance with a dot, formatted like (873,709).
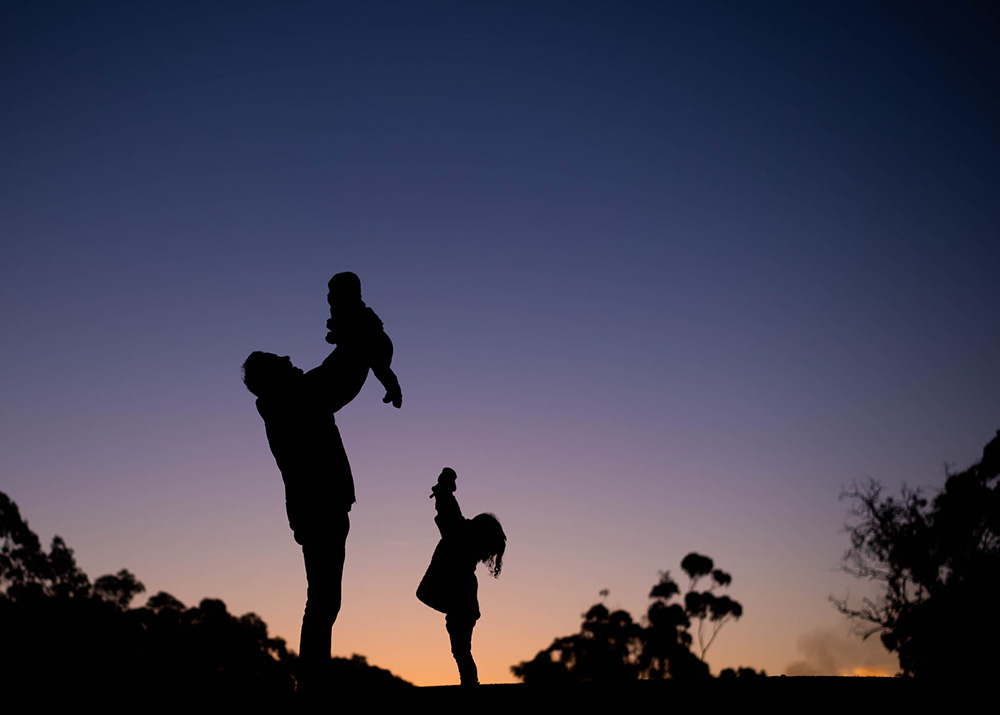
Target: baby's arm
(381,358)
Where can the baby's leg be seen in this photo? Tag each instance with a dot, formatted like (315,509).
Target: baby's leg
(460,632)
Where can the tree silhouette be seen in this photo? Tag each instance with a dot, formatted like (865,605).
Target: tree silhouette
(668,641)
(706,606)
(935,562)
(26,571)
(611,647)
(605,650)
(119,589)
(58,630)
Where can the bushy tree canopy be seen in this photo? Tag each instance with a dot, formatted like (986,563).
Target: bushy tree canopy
(26,570)
(937,564)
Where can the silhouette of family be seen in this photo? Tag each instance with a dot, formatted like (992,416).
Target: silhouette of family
(298,411)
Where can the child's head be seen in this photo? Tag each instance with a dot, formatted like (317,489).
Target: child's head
(344,289)
(489,542)
(265,372)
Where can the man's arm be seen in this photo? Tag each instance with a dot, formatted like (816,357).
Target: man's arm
(337,381)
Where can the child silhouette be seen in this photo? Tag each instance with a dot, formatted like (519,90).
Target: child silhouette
(450,584)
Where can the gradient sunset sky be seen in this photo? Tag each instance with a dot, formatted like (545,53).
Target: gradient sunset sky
(661,277)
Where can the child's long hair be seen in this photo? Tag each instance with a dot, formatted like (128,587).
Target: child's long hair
(491,542)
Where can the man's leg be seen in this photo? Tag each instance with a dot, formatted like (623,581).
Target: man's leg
(323,551)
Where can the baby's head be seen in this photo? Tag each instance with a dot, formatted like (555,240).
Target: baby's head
(489,542)
(263,373)
(344,290)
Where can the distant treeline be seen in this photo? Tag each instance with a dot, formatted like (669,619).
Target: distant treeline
(63,634)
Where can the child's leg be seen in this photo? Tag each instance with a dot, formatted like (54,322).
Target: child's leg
(460,632)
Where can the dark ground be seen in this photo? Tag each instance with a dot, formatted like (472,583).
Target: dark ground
(886,696)
(748,696)
(779,694)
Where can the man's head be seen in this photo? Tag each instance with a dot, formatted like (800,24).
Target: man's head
(264,373)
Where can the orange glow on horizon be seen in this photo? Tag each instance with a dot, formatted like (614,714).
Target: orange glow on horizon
(863,672)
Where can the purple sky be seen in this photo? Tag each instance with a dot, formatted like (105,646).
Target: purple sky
(661,277)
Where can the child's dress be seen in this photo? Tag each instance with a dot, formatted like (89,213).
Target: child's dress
(450,584)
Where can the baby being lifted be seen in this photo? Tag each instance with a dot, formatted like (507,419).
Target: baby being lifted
(352,323)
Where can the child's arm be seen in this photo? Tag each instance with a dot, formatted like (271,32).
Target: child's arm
(449,514)
(381,358)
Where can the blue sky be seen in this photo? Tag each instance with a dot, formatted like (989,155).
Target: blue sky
(661,277)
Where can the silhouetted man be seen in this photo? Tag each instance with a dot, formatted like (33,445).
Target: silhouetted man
(298,410)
